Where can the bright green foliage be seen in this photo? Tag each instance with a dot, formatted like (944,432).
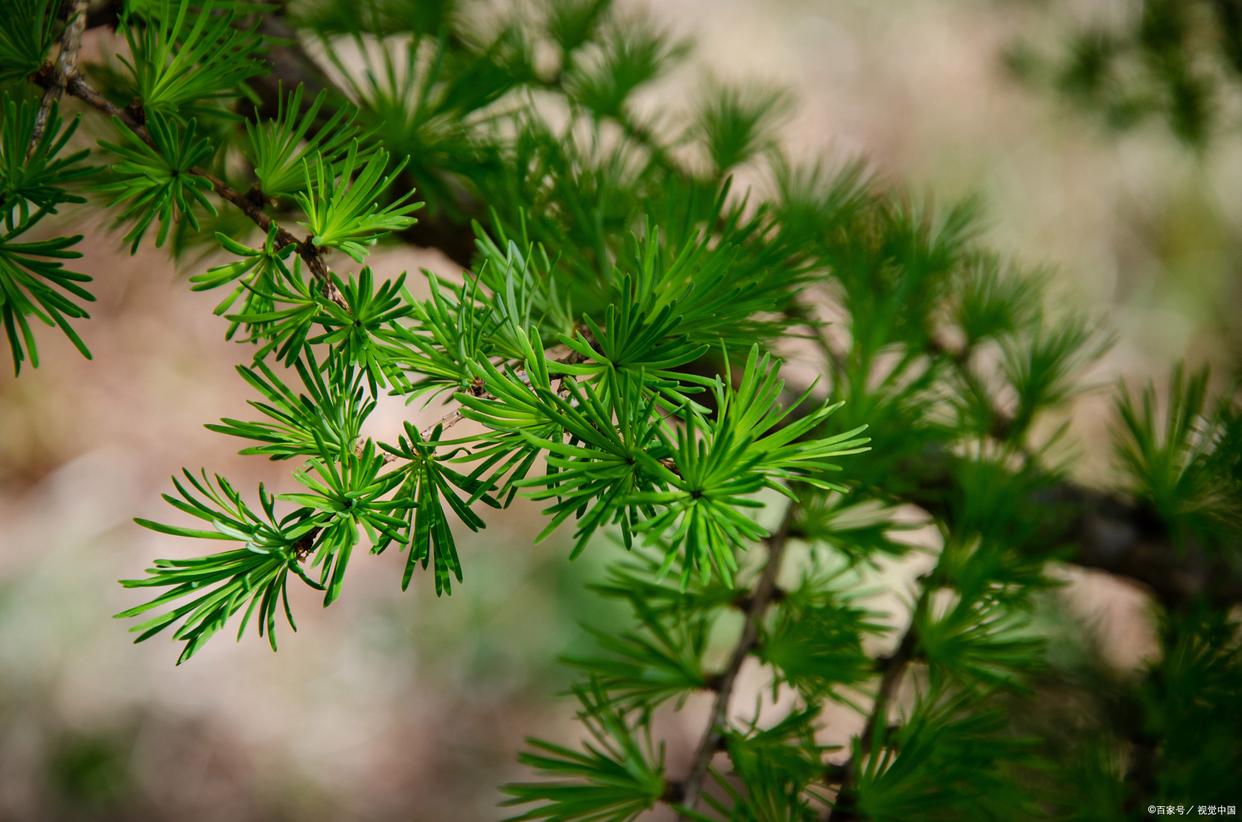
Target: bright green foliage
(608,345)
(343,212)
(328,415)
(157,180)
(598,473)
(256,277)
(35,283)
(427,484)
(346,494)
(279,147)
(618,775)
(188,54)
(365,329)
(717,465)
(37,178)
(279,303)
(219,585)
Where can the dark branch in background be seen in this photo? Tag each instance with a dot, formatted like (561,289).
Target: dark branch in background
(1124,539)
(290,66)
(103,14)
(760,598)
(55,77)
(1098,530)
(1101,531)
(892,670)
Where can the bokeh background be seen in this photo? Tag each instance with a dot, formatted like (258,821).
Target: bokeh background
(402,706)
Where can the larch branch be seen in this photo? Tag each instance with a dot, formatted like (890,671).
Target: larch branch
(56,77)
(726,680)
(78,87)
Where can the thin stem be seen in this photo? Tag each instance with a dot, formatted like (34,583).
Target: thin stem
(1002,422)
(77,86)
(724,682)
(561,354)
(59,75)
(892,670)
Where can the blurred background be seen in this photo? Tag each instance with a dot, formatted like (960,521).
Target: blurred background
(402,706)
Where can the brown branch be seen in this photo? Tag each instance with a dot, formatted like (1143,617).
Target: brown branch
(306,249)
(892,670)
(103,14)
(724,682)
(444,423)
(1126,540)
(54,78)
(448,232)
(1101,531)
(1002,422)
(1097,529)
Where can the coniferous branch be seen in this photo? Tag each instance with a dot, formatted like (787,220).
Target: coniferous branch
(80,88)
(25,41)
(718,719)
(36,177)
(891,668)
(34,282)
(154,178)
(618,240)
(294,68)
(1101,530)
(63,71)
(186,58)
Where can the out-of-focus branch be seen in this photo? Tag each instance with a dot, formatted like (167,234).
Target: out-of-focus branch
(892,669)
(1100,531)
(1113,535)
(760,598)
